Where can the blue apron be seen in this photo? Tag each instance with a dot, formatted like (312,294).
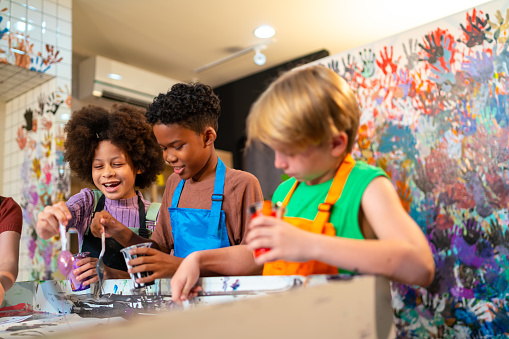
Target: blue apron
(197,229)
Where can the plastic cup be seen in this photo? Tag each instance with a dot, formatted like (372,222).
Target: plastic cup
(75,284)
(128,256)
(265,208)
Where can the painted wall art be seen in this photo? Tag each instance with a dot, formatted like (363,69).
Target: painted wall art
(435,117)
(45,178)
(37,36)
(21,51)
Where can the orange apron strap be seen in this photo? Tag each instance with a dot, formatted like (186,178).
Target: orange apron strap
(338,183)
(290,193)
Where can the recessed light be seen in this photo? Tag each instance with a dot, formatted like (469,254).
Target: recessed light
(264,32)
(114,76)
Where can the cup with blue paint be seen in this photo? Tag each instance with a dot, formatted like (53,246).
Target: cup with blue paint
(128,256)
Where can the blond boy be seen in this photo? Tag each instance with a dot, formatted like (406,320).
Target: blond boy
(340,213)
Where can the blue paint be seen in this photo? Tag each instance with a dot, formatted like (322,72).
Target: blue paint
(235,285)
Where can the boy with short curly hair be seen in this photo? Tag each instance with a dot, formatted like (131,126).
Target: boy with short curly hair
(116,151)
(204,212)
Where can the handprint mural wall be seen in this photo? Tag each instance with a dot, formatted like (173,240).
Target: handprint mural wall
(435,117)
(21,49)
(35,174)
(45,178)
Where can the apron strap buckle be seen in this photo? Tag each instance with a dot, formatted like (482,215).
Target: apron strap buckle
(217,197)
(325,207)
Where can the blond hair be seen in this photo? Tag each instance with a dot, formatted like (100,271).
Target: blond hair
(305,106)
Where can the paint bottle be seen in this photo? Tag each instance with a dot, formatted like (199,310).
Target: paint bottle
(75,284)
(264,208)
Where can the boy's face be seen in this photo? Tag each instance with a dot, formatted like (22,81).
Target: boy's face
(313,166)
(113,172)
(184,150)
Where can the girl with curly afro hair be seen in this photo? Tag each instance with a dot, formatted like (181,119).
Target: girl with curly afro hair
(116,151)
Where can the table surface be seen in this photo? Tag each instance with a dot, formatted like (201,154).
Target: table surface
(51,308)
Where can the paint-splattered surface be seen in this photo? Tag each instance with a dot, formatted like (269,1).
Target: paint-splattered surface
(359,305)
(435,117)
(49,307)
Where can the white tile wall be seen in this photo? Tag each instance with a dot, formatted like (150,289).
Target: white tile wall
(34,32)
(65,13)
(64,70)
(49,37)
(50,22)
(64,41)
(19,11)
(21,2)
(49,7)
(67,3)
(19,26)
(34,16)
(35,4)
(64,27)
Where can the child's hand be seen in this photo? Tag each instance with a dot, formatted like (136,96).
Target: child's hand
(50,217)
(183,281)
(104,221)
(285,241)
(161,265)
(86,270)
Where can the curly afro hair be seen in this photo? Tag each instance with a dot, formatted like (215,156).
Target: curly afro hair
(124,126)
(194,106)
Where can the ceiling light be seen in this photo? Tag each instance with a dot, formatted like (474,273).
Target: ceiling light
(256,48)
(259,58)
(264,32)
(114,76)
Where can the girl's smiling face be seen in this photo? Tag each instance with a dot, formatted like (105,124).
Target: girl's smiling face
(113,172)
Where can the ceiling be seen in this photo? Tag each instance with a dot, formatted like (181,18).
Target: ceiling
(174,38)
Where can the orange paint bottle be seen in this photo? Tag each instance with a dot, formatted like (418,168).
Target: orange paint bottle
(266,209)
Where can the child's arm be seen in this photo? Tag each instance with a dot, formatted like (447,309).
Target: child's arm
(233,260)
(9,253)
(50,217)
(401,252)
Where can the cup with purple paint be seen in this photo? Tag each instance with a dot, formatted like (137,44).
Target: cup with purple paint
(128,256)
(75,284)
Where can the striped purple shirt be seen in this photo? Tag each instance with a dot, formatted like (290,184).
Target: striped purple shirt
(81,206)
